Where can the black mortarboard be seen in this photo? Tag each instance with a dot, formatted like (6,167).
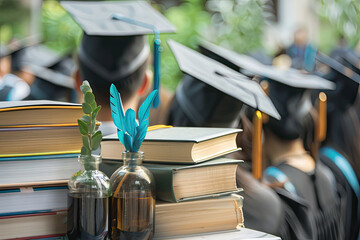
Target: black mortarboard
(16,49)
(250,66)
(346,80)
(53,82)
(222,78)
(347,57)
(48,65)
(113,45)
(288,89)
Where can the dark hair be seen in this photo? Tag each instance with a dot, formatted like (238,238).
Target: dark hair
(343,133)
(113,55)
(290,126)
(126,86)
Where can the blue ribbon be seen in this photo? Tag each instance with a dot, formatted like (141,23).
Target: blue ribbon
(342,163)
(281,177)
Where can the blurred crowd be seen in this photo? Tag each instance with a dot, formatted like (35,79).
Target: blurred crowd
(309,104)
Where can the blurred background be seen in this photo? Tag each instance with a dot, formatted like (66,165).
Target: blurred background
(257,27)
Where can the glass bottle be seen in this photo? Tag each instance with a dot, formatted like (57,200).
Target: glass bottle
(132,208)
(88,201)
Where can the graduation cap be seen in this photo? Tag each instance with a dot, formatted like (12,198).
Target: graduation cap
(288,89)
(48,65)
(16,48)
(222,78)
(347,57)
(346,80)
(118,27)
(251,67)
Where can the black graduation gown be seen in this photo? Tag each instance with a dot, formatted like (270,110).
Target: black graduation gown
(263,210)
(312,210)
(349,220)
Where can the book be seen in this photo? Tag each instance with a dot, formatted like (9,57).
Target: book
(238,234)
(199,216)
(33,226)
(38,112)
(32,200)
(19,170)
(176,183)
(178,144)
(30,141)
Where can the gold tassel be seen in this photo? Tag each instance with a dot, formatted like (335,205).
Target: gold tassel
(257,147)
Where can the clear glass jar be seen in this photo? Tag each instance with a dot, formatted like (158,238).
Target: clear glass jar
(88,201)
(132,208)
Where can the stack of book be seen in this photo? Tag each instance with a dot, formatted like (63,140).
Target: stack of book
(195,189)
(39,145)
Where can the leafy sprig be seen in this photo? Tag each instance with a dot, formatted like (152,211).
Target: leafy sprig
(87,123)
(130,133)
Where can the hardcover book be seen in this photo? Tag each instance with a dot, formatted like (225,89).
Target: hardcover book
(31,141)
(178,144)
(177,183)
(38,112)
(32,200)
(33,226)
(199,216)
(19,170)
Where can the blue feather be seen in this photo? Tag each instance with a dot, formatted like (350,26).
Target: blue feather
(128,142)
(121,136)
(140,135)
(130,133)
(144,109)
(117,111)
(130,122)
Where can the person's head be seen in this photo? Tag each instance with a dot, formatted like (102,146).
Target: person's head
(114,48)
(301,37)
(122,61)
(293,104)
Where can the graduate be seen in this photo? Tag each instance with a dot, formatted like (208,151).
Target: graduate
(52,73)
(213,95)
(114,50)
(15,81)
(340,150)
(312,207)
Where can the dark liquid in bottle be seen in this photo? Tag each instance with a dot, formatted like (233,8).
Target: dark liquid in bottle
(87,218)
(131,216)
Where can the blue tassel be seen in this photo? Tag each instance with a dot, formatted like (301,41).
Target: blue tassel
(157,43)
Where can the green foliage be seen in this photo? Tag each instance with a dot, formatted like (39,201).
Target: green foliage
(60,31)
(237,25)
(87,124)
(339,18)
(14,20)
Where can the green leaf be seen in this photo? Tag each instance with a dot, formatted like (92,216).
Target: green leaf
(89,97)
(85,151)
(86,108)
(86,119)
(95,113)
(85,87)
(93,106)
(86,142)
(96,140)
(84,130)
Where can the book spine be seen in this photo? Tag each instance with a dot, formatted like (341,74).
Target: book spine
(163,183)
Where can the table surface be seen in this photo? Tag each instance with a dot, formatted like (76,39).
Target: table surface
(241,234)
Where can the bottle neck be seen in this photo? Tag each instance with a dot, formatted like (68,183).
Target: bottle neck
(89,163)
(132,159)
